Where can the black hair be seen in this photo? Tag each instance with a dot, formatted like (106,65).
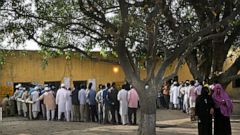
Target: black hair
(123,86)
(192,83)
(90,85)
(83,86)
(205,91)
(100,86)
(108,85)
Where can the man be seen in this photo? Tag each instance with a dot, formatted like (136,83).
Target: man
(82,102)
(175,93)
(106,104)
(166,94)
(123,99)
(5,105)
(61,99)
(114,103)
(99,100)
(49,102)
(192,100)
(132,105)
(36,105)
(24,104)
(68,105)
(75,105)
(92,103)
(185,92)
(17,95)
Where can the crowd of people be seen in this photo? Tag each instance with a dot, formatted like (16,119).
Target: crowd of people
(108,105)
(202,100)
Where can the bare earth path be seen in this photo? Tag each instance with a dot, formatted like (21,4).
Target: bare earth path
(169,122)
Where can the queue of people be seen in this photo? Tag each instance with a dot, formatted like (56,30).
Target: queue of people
(108,105)
(203,102)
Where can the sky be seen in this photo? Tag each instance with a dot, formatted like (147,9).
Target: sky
(30,45)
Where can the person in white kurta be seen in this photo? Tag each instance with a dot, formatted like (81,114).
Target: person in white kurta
(175,94)
(69,112)
(36,105)
(61,99)
(123,109)
(186,98)
(17,95)
(24,105)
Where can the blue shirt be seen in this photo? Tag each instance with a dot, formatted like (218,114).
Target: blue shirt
(91,96)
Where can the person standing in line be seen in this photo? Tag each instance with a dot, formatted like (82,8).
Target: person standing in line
(106,104)
(166,89)
(204,110)
(99,100)
(181,88)
(198,87)
(49,101)
(123,99)
(18,94)
(186,97)
(61,99)
(114,104)
(92,104)
(43,108)
(75,105)
(87,109)
(192,100)
(223,109)
(133,99)
(36,105)
(24,104)
(82,102)
(175,95)
(69,116)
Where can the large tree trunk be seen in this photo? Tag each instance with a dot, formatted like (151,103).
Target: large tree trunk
(147,122)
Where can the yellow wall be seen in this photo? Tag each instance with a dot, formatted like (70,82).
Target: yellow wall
(20,68)
(27,68)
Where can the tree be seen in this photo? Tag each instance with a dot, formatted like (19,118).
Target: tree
(141,34)
(206,61)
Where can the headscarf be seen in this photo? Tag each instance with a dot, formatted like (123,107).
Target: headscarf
(222,100)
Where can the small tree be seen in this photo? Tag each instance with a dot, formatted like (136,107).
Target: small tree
(138,32)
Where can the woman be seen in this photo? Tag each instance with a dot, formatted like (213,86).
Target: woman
(223,110)
(204,111)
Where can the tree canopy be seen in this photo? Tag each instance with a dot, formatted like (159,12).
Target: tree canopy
(138,32)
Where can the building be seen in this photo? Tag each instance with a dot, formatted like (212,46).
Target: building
(27,68)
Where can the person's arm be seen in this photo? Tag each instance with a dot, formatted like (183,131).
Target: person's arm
(57,97)
(118,96)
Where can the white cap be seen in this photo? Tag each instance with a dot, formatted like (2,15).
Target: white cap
(36,87)
(175,82)
(62,85)
(46,88)
(18,86)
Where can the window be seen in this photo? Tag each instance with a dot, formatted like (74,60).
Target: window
(53,84)
(24,84)
(77,84)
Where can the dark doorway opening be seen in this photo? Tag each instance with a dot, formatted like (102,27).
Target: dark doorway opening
(78,84)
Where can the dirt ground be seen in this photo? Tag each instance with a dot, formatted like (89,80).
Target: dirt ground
(169,122)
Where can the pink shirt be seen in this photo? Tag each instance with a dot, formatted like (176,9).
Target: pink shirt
(133,98)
